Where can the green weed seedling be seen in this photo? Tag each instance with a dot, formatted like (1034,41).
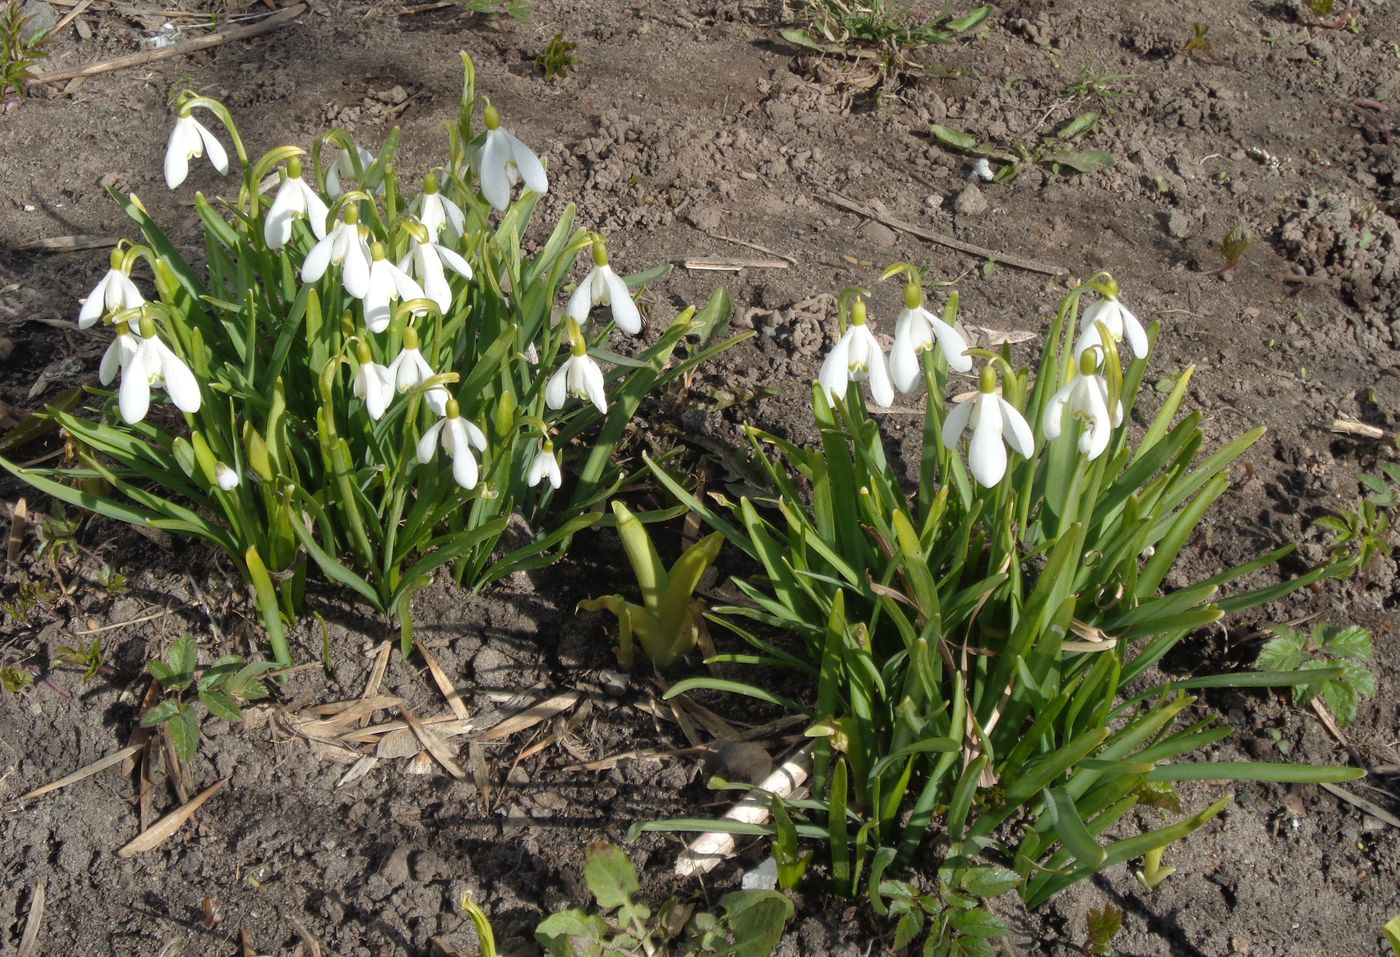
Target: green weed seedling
(1101,925)
(14,678)
(668,621)
(1233,247)
(749,923)
(557,59)
(1361,535)
(1096,83)
(1342,651)
(18,53)
(886,41)
(89,659)
(220,689)
(1052,152)
(1392,935)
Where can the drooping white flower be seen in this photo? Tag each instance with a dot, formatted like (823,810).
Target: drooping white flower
(373,383)
(387,283)
(916,330)
(995,424)
(1086,396)
(1120,323)
(118,354)
(114,290)
(544,464)
(503,161)
(294,199)
(343,168)
(457,436)
(152,363)
(345,247)
(605,287)
(189,139)
(436,212)
(579,376)
(857,357)
(226,477)
(409,370)
(424,261)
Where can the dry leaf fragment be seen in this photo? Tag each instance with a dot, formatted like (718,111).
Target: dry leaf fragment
(157,833)
(434,745)
(101,764)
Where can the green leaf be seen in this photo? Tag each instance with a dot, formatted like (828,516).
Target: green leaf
(1351,641)
(610,875)
(572,933)
(1392,934)
(1081,161)
(1080,124)
(757,919)
(1256,771)
(989,881)
(979,923)
(1071,830)
(184,733)
(160,712)
(957,139)
(162,673)
(221,705)
(182,657)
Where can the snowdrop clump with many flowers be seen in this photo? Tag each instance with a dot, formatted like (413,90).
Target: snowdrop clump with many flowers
(338,335)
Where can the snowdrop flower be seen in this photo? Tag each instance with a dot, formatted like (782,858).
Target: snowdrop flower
(457,436)
(544,464)
(189,139)
(604,286)
(855,357)
(226,478)
(579,376)
(294,199)
(115,290)
(995,424)
(424,261)
(345,247)
(435,211)
(118,355)
(504,161)
(387,283)
(1086,395)
(152,363)
(373,383)
(409,370)
(343,167)
(1117,319)
(915,331)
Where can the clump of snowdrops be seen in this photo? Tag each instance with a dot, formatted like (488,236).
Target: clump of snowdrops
(377,378)
(981,640)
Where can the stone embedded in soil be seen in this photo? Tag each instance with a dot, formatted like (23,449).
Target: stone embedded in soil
(970,201)
(878,234)
(705,218)
(1179,224)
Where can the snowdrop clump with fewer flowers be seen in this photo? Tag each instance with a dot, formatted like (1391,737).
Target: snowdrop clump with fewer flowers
(995,424)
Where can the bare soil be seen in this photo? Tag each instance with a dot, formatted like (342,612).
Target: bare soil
(690,131)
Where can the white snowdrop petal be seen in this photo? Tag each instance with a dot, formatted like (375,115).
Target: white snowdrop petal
(956,422)
(1016,430)
(529,165)
(624,309)
(427,442)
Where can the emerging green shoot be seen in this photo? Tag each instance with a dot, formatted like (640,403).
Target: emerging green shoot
(668,621)
(1233,247)
(18,52)
(557,59)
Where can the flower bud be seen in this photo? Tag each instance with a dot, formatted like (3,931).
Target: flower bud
(913,295)
(226,477)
